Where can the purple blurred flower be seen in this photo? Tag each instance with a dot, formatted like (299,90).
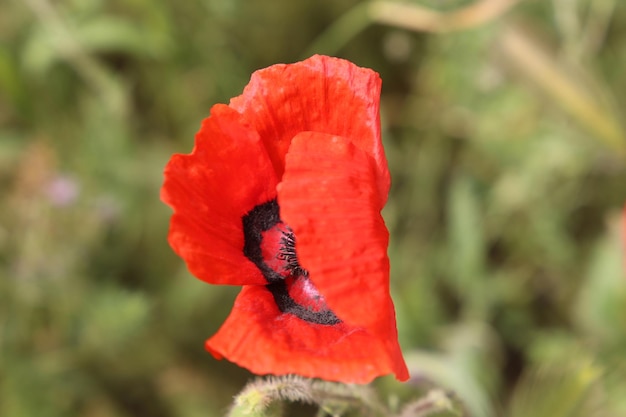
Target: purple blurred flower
(62,190)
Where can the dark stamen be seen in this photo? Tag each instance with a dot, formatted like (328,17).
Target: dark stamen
(258,221)
(286,304)
(287,253)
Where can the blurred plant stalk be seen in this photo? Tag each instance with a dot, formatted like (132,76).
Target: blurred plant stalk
(267,397)
(407,16)
(524,54)
(422,19)
(90,70)
(527,57)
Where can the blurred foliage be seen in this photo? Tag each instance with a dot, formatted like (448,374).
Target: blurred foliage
(508,159)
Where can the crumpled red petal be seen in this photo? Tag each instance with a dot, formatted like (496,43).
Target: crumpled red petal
(321,94)
(328,197)
(257,336)
(226,175)
(314,127)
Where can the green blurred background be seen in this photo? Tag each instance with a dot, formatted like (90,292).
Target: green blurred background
(502,125)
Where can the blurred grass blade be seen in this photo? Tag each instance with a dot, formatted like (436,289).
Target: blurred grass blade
(111,34)
(406,16)
(556,390)
(528,58)
(341,31)
(64,42)
(601,305)
(467,246)
(422,19)
(453,373)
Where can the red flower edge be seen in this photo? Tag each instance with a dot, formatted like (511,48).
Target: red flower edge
(282,194)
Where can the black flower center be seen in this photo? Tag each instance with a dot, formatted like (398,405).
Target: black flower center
(271,245)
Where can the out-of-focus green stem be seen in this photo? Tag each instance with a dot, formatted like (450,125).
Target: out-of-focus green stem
(544,71)
(406,16)
(597,24)
(341,31)
(264,397)
(422,19)
(527,57)
(94,74)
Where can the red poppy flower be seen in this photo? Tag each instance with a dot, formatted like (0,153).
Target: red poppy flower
(282,194)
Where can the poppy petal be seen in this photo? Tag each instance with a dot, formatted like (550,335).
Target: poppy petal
(257,336)
(329,199)
(226,175)
(321,94)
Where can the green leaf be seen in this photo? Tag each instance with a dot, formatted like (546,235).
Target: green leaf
(601,306)
(467,366)
(467,246)
(40,52)
(113,34)
(559,389)
(111,320)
